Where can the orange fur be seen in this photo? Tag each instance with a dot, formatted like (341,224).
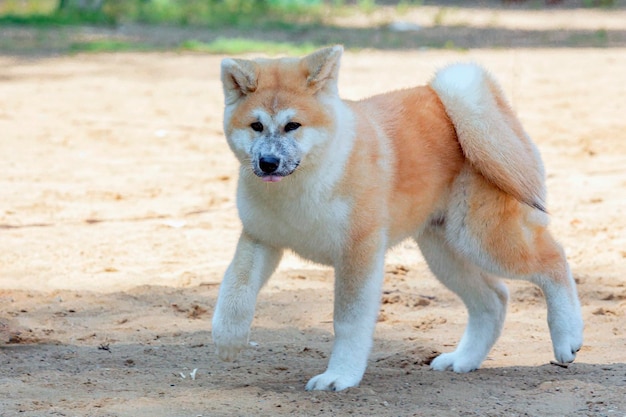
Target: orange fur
(425,158)
(526,247)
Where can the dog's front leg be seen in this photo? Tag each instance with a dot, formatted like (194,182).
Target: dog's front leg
(358,281)
(250,269)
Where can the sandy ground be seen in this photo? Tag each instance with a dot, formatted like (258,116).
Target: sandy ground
(117,220)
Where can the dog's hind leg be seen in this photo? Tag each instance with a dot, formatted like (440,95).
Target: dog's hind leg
(510,239)
(484,295)
(543,263)
(564,313)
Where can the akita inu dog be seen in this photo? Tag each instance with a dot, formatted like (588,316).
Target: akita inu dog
(339,182)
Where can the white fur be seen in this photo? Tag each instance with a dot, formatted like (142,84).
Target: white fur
(564,317)
(313,222)
(463,90)
(461,81)
(485,297)
(354,322)
(304,226)
(236,302)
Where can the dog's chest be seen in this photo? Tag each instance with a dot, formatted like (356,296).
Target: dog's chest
(311,225)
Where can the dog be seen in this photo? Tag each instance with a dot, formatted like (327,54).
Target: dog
(339,182)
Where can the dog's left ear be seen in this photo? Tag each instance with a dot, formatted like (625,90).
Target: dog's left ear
(322,68)
(239,78)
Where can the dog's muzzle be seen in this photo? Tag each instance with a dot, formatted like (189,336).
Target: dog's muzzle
(271,168)
(269,164)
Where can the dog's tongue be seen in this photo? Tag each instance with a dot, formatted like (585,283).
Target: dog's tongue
(272,178)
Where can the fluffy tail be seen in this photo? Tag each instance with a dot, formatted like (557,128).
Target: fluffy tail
(491,136)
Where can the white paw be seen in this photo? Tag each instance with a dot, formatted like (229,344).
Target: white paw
(229,352)
(332,381)
(456,362)
(229,340)
(565,320)
(567,338)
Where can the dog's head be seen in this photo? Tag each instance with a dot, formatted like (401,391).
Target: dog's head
(278,110)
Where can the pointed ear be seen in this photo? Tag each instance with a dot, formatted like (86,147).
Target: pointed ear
(322,68)
(239,78)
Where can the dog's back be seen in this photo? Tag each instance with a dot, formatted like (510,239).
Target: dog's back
(420,154)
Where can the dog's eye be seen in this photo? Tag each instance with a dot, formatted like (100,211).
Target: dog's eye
(257,126)
(292,126)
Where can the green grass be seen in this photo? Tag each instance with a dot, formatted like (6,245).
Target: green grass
(236,46)
(207,13)
(596,39)
(54,19)
(27,7)
(108,45)
(226,46)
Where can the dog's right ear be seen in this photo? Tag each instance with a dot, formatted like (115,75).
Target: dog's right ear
(239,78)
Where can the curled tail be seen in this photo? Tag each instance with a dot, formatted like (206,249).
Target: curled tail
(491,136)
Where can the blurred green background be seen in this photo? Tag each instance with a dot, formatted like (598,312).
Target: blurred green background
(212,13)
(289,26)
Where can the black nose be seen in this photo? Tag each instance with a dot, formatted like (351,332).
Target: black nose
(269,164)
